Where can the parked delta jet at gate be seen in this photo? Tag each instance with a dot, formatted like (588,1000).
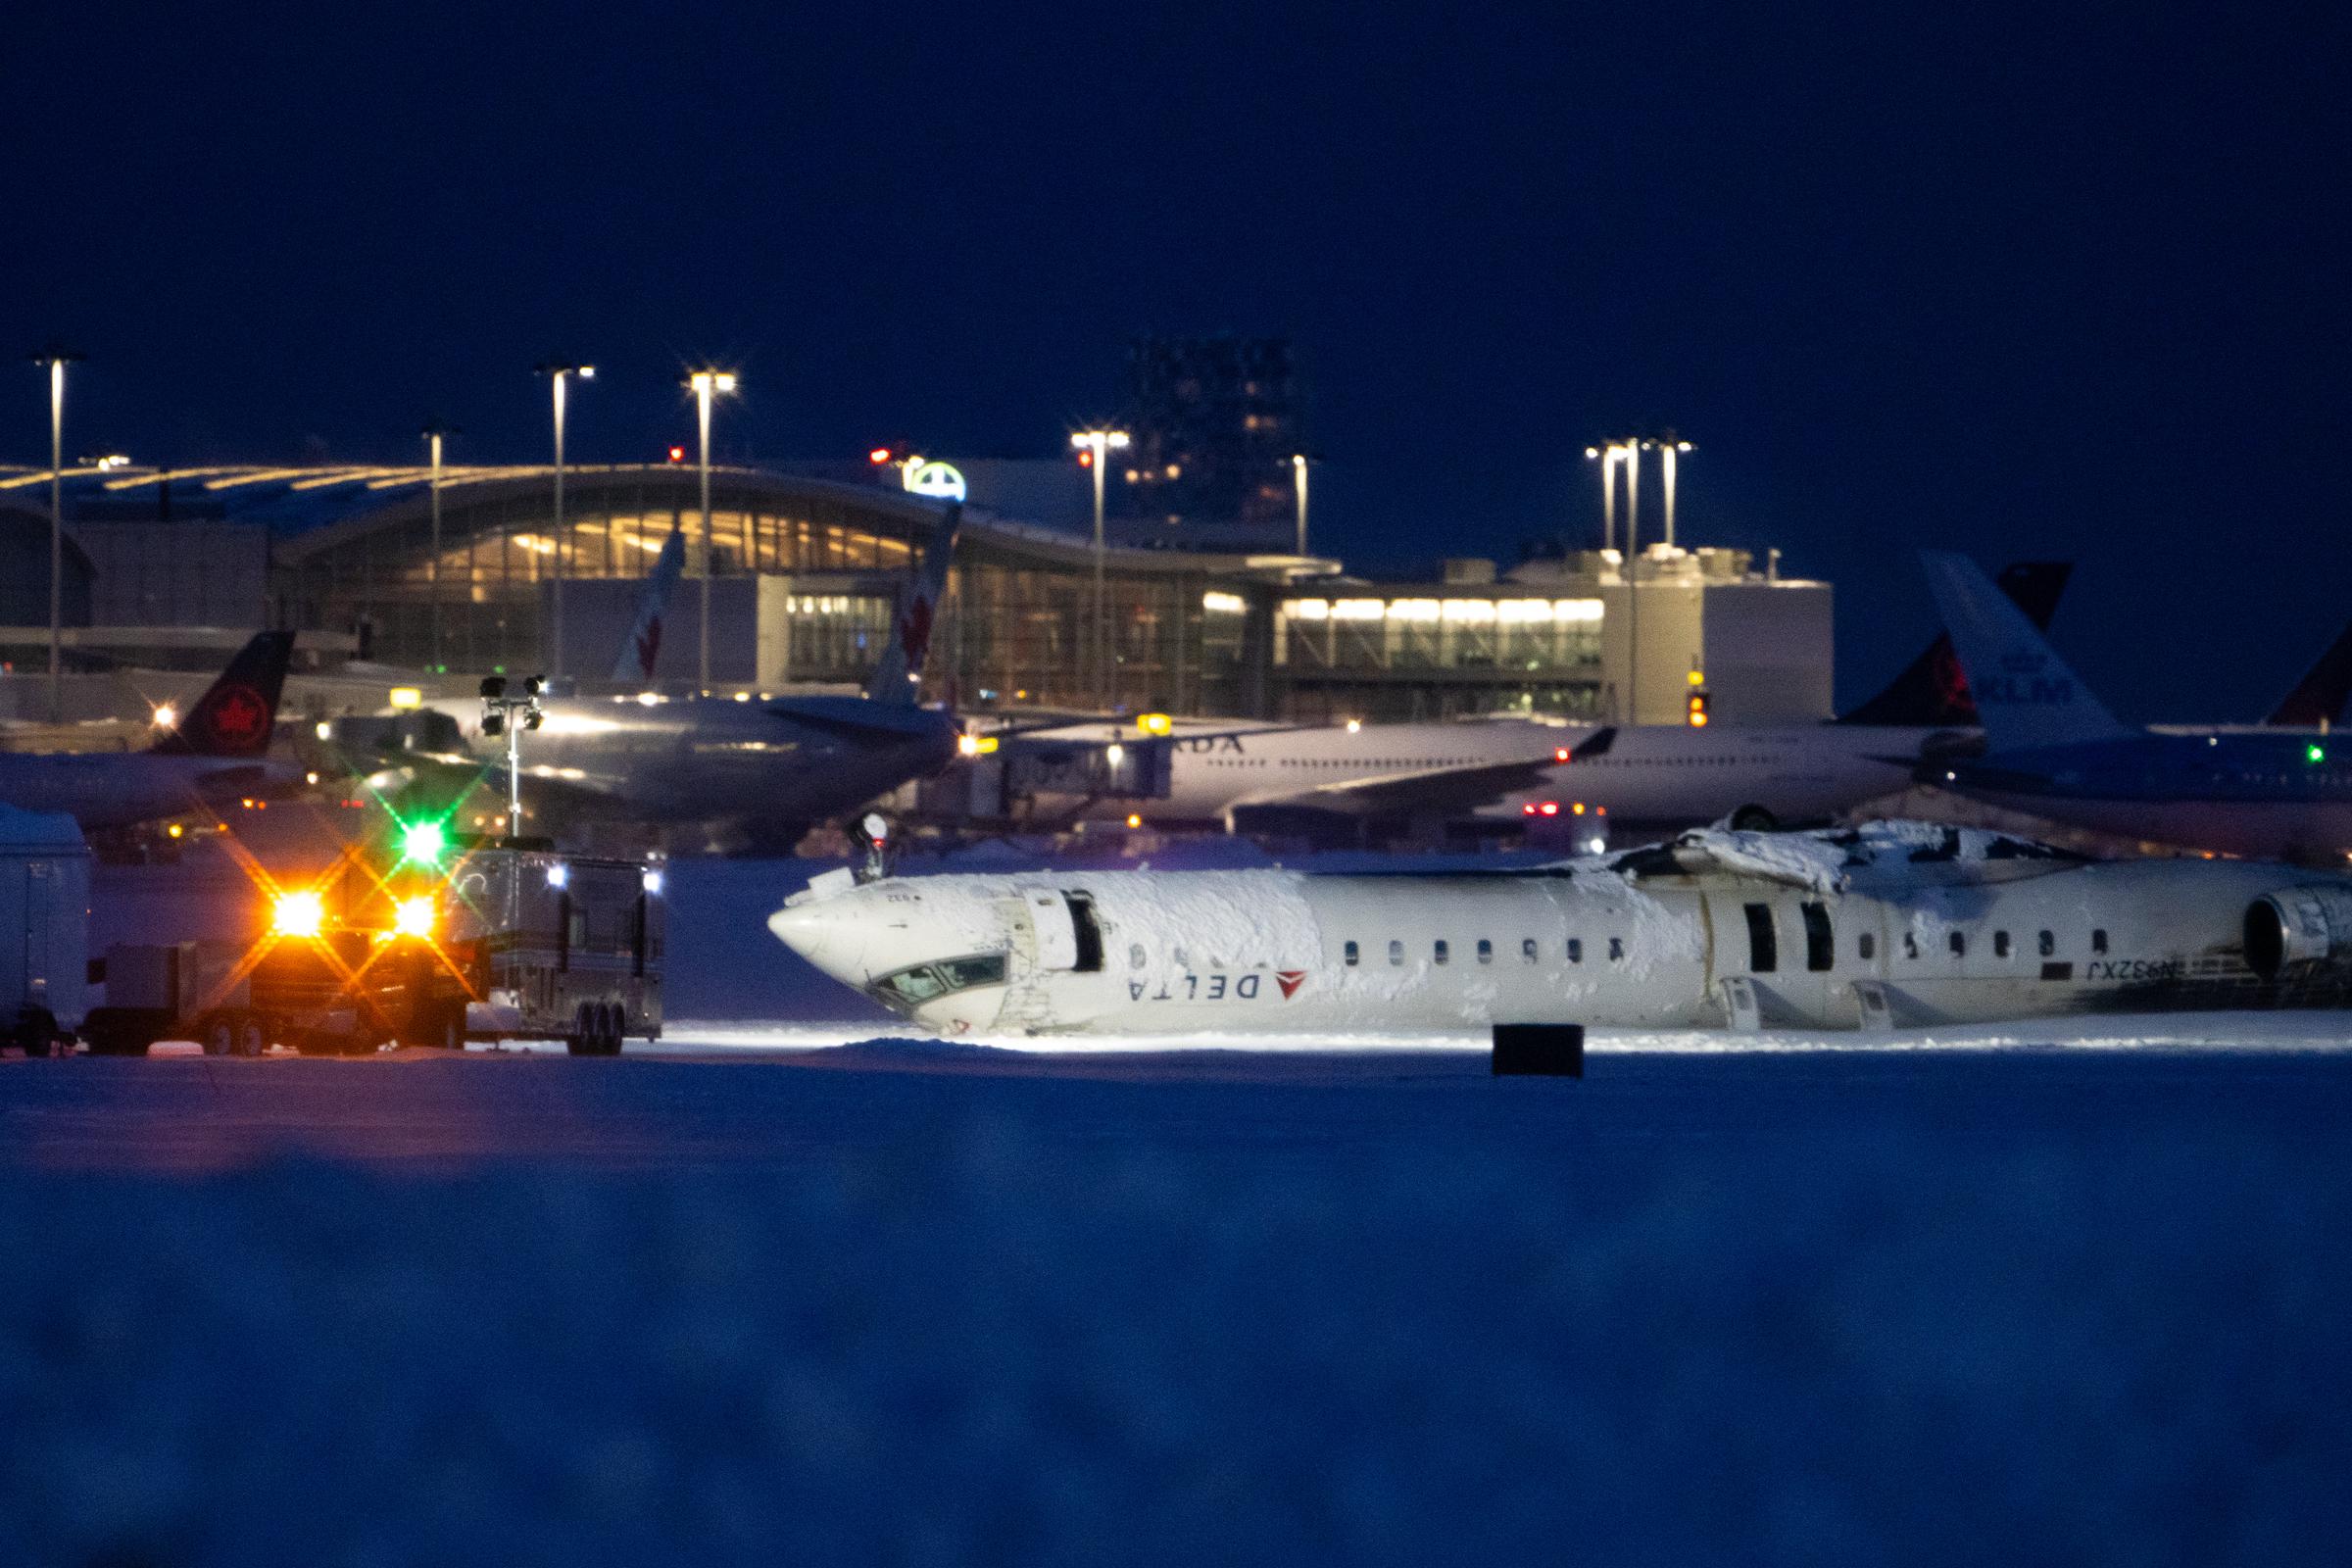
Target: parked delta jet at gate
(1895,923)
(2056,751)
(219,752)
(1344,782)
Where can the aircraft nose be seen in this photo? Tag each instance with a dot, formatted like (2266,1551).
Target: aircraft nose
(826,935)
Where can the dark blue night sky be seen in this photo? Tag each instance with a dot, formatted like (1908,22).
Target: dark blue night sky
(2042,281)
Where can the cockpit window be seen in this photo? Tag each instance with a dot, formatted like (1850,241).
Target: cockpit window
(961,974)
(912,987)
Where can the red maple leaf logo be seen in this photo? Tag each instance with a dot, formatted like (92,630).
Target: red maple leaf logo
(915,631)
(239,714)
(1952,685)
(1290,980)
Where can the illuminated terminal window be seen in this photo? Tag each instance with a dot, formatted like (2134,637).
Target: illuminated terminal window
(1481,631)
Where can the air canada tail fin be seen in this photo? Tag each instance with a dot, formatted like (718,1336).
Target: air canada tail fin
(237,712)
(2026,696)
(896,677)
(643,646)
(1932,692)
(2318,697)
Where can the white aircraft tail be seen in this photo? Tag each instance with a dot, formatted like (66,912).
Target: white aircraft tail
(896,677)
(643,646)
(2025,695)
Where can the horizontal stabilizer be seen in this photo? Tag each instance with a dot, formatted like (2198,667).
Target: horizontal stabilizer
(2026,696)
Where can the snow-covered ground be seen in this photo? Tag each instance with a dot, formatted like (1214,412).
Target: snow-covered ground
(948,1304)
(740,1299)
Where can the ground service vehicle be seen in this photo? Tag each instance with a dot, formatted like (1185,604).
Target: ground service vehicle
(413,940)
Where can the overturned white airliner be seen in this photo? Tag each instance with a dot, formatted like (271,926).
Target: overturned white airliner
(1896,924)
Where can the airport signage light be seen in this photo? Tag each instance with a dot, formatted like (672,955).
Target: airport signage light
(942,481)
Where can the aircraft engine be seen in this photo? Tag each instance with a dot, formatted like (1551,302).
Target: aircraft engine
(2296,930)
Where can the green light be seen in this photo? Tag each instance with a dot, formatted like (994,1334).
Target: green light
(423,842)
(2315,754)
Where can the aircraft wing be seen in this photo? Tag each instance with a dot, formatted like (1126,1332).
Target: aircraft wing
(442,779)
(1426,790)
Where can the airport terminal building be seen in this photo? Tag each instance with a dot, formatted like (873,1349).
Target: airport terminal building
(175,567)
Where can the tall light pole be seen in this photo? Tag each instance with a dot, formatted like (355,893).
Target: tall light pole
(558,373)
(1632,581)
(707,384)
(1669,445)
(1299,479)
(57,359)
(1094,444)
(435,433)
(1608,457)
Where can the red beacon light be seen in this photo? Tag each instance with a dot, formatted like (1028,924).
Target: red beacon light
(878,456)
(678,454)
(1540,808)
(1560,753)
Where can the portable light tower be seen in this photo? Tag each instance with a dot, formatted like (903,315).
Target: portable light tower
(510,715)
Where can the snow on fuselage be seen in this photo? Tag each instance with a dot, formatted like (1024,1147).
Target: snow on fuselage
(1968,936)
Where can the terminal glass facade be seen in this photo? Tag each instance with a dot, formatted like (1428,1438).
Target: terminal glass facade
(1437,653)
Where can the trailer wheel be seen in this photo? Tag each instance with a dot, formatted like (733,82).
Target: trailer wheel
(615,1028)
(251,1034)
(217,1033)
(582,1040)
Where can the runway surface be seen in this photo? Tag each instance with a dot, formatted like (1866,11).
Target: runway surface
(719,1096)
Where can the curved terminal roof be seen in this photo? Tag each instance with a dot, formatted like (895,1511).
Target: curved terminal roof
(310,510)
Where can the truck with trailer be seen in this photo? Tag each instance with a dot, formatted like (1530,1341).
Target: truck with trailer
(409,938)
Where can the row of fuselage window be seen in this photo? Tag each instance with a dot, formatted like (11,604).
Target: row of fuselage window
(1763,954)
(1866,947)
(1441,951)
